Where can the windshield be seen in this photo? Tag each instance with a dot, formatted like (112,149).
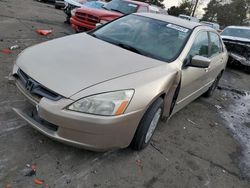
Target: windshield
(146,36)
(236,32)
(124,7)
(94,4)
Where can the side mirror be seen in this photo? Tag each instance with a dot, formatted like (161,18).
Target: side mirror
(98,25)
(200,62)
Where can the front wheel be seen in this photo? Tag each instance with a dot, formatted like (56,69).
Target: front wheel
(147,125)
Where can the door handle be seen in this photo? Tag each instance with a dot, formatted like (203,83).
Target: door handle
(207,69)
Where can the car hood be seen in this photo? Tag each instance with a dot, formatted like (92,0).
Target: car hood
(98,12)
(73,63)
(235,38)
(75,3)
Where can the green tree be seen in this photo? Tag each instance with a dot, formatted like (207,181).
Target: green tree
(185,7)
(211,11)
(239,11)
(233,12)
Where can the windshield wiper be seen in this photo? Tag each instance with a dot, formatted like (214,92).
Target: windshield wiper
(133,49)
(93,35)
(125,46)
(122,45)
(117,10)
(105,8)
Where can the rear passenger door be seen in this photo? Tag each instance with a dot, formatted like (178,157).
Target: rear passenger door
(216,55)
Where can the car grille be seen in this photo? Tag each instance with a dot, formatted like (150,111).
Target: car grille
(238,48)
(87,18)
(31,111)
(35,88)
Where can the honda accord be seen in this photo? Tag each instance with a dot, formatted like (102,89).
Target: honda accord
(110,87)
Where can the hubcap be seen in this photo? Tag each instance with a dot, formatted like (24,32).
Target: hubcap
(153,125)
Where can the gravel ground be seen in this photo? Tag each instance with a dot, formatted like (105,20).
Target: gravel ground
(207,144)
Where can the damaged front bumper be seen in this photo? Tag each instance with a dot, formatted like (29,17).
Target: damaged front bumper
(92,132)
(242,60)
(76,135)
(238,51)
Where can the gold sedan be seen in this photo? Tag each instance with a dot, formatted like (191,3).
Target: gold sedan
(110,87)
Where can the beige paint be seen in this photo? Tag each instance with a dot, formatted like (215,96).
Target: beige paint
(78,66)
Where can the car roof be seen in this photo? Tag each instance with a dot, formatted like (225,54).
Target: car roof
(209,22)
(184,15)
(172,19)
(138,2)
(238,27)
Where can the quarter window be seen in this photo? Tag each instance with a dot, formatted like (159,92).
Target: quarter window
(215,42)
(200,45)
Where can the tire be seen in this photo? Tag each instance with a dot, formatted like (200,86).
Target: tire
(147,125)
(247,69)
(210,91)
(67,21)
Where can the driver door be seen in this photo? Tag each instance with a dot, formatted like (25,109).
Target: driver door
(194,79)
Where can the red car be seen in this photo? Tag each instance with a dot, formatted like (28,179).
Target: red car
(86,18)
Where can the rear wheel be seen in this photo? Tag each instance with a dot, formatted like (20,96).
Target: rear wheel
(247,69)
(147,125)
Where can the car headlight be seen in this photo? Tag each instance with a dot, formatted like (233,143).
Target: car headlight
(73,12)
(103,21)
(108,104)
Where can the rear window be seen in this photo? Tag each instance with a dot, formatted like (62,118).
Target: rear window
(124,7)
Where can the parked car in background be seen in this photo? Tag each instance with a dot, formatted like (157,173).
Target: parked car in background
(157,10)
(59,4)
(47,1)
(119,81)
(87,18)
(190,18)
(70,5)
(237,41)
(212,24)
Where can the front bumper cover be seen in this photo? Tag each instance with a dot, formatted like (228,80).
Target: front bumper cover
(92,132)
(242,60)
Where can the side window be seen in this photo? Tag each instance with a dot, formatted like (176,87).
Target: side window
(215,44)
(142,9)
(200,45)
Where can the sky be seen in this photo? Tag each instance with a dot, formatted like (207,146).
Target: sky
(170,3)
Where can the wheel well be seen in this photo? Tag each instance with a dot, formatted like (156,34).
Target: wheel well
(173,97)
(221,73)
(162,96)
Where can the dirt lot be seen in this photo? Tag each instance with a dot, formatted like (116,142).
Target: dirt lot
(207,144)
